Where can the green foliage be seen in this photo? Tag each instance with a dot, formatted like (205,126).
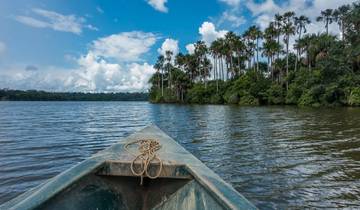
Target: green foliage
(322,71)
(354,99)
(34,95)
(249,100)
(276,94)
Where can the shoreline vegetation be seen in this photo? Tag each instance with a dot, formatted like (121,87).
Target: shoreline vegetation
(259,67)
(36,95)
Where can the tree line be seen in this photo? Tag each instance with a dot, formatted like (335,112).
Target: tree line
(263,67)
(35,95)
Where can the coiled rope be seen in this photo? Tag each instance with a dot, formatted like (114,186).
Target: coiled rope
(147,149)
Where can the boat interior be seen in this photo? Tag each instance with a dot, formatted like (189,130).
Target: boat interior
(113,186)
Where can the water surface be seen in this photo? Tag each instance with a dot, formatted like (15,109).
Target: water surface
(278,157)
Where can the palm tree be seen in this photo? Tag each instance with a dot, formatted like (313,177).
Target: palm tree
(289,30)
(278,24)
(257,33)
(339,17)
(300,23)
(248,37)
(214,51)
(230,39)
(240,48)
(222,53)
(159,66)
(200,54)
(168,58)
(326,17)
(270,46)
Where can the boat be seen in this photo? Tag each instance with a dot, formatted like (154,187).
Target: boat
(114,179)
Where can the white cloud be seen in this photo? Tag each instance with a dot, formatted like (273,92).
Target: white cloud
(97,74)
(231,17)
(55,21)
(2,47)
(169,45)
(112,64)
(99,10)
(231,2)
(190,48)
(209,33)
(126,46)
(158,5)
(264,12)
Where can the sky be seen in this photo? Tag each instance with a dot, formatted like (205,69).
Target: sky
(110,46)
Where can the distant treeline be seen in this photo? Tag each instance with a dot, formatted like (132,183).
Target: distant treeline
(35,95)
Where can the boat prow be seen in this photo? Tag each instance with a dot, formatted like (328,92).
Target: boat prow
(106,181)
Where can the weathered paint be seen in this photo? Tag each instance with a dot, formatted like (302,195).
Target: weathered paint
(201,188)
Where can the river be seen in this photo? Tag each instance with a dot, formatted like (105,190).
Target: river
(277,157)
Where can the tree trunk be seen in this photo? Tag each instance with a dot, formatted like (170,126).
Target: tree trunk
(257,54)
(239,70)
(162,83)
(287,62)
(298,52)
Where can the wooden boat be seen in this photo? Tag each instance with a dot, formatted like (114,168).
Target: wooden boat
(106,181)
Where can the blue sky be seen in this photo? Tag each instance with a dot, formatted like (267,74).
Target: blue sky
(110,46)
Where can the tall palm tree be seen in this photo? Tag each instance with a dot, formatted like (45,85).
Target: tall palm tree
(326,17)
(300,24)
(240,49)
(168,59)
(200,54)
(248,37)
(270,46)
(214,51)
(278,30)
(230,39)
(339,16)
(289,30)
(257,33)
(159,66)
(222,49)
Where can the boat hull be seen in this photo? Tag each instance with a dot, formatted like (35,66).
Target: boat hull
(105,181)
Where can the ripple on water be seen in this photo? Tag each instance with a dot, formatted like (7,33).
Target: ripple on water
(278,157)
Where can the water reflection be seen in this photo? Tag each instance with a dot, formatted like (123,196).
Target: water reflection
(278,157)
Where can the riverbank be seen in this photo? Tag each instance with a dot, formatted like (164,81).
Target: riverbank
(253,88)
(36,95)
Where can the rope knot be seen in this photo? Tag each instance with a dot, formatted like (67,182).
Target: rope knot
(147,149)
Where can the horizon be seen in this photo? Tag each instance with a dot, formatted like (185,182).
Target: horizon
(111,46)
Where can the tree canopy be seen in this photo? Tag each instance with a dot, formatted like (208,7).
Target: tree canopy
(260,67)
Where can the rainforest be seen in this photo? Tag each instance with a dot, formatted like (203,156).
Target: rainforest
(282,65)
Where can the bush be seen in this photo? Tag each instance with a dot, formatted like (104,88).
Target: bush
(249,100)
(354,98)
(275,95)
(232,98)
(312,97)
(216,99)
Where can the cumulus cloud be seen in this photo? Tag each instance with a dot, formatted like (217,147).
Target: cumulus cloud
(169,45)
(2,47)
(264,12)
(105,67)
(190,48)
(126,46)
(231,2)
(159,5)
(209,33)
(97,74)
(231,16)
(55,21)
